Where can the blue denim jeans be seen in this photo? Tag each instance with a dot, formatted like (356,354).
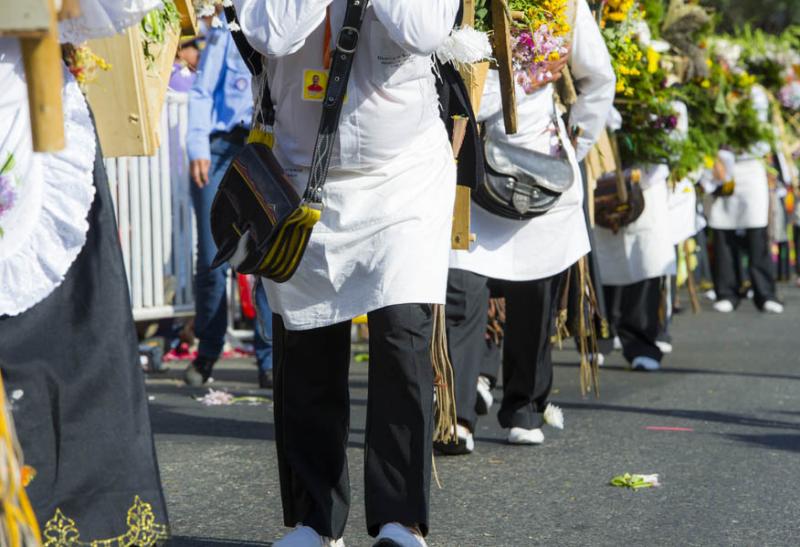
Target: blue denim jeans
(211,305)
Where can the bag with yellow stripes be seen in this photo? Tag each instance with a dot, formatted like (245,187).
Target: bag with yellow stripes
(259,223)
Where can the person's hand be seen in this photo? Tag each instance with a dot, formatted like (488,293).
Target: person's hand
(198,169)
(555,67)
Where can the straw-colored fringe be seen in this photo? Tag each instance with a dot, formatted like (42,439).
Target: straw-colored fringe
(18,526)
(587,330)
(444,381)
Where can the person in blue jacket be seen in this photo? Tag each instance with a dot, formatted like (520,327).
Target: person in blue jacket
(220,112)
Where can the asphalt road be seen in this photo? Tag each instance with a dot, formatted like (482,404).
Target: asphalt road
(730,475)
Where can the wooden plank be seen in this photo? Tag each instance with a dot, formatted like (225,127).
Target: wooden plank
(468,19)
(474,76)
(118,97)
(157,79)
(43,75)
(28,16)
(188,17)
(502,53)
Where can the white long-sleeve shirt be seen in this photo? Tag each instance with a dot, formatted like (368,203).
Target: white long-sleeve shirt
(391,96)
(384,234)
(550,243)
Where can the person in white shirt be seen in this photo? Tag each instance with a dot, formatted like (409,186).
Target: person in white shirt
(528,257)
(380,248)
(747,212)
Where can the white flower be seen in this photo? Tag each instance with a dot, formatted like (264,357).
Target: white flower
(216,398)
(554,416)
(651,479)
(216,22)
(233,27)
(227,3)
(465,45)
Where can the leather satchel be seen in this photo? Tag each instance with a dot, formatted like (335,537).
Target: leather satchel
(521,184)
(618,199)
(260,224)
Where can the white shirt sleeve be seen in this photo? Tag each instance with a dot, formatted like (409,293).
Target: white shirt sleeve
(418,26)
(594,77)
(277,28)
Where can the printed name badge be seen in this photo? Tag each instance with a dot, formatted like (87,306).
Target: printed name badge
(314,84)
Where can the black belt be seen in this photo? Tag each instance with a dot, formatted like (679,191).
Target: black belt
(237,135)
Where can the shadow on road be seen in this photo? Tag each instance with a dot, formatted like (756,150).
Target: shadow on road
(667,369)
(788,442)
(702,415)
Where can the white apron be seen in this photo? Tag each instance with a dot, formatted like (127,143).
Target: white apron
(383,238)
(644,249)
(748,207)
(682,203)
(543,246)
(44,198)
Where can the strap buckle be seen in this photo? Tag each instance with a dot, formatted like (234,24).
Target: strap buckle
(350,34)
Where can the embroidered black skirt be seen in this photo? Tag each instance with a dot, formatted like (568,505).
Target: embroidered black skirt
(71,371)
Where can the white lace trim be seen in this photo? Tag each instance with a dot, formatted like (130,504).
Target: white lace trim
(39,265)
(102,18)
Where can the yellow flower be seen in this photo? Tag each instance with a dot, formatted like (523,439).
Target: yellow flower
(708,161)
(653,57)
(705,84)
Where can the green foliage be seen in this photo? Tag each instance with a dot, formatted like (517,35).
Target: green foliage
(155,26)
(770,15)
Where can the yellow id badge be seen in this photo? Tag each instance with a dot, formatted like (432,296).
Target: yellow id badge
(314,84)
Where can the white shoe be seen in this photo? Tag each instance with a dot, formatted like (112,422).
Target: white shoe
(520,435)
(710,294)
(723,306)
(617,344)
(664,346)
(647,364)
(485,398)
(750,294)
(601,359)
(397,535)
(306,536)
(770,306)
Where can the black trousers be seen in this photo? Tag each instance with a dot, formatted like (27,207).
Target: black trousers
(527,363)
(312,421)
(761,270)
(634,316)
(466,314)
(796,234)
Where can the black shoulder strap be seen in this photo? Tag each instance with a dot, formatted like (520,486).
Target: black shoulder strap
(339,75)
(255,64)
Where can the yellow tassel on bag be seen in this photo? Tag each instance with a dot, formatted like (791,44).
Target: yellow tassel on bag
(18,526)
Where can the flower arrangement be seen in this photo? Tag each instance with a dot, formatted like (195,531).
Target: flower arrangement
(540,35)
(649,119)
(155,26)
(208,8)
(84,63)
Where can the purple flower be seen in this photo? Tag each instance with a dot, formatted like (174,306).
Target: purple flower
(7,194)
(672,122)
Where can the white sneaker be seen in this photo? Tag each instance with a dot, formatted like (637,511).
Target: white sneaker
(723,306)
(647,364)
(485,398)
(617,344)
(601,359)
(664,346)
(397,535)
(520,435)
(710,294)
(770,306)
(306,536)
